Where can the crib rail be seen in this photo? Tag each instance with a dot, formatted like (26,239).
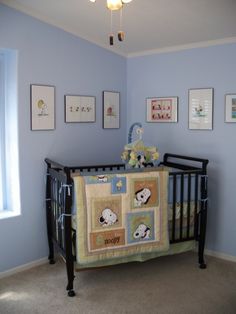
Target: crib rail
(172,160)
(87,168)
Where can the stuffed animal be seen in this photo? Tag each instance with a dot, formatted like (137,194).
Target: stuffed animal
(141,161)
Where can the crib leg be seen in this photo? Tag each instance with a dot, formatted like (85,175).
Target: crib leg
(70,276)
(51,260)
(51,253)
(49,217)
(203,222)
(50,241)
(201,243)
(69,257)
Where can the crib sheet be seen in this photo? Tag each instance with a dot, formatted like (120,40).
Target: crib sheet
(121,216)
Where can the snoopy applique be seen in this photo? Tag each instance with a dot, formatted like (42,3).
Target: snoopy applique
(142,232)
(108,217)
(141,197)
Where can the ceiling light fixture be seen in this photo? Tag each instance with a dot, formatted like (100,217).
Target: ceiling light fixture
(115,5)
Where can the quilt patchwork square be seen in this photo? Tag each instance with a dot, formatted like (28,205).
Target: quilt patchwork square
(140,226)
(144,193)
(106,239)
(118,185)
(106,213)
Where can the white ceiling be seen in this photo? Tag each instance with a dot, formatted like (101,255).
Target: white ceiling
(149,25)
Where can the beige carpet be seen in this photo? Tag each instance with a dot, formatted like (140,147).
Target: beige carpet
(171,284)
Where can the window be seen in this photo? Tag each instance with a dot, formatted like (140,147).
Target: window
(9,167)
(2,137)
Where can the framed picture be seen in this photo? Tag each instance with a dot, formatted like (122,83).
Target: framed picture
(200,109)
(42,99)
(230,107)
(79,108)
(162,109)
(111,110)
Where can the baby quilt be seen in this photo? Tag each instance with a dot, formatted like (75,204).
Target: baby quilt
(120,215)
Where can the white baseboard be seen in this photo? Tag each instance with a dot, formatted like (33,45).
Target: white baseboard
(220,255)
(21,268)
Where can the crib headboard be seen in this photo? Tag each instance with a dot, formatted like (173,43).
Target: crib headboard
(192,163)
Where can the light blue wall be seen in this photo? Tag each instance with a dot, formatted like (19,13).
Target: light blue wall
(47,55)
(172,74)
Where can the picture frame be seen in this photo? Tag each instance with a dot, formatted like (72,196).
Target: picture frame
(200,108)
(80,108)
(111,110)
(230,108)
(162,109)
(42,107)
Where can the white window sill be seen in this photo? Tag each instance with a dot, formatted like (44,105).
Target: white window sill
(8,214)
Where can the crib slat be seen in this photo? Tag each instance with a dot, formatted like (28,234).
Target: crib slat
(54,187)
(196,206)
(188,204)
(181,206)
(62,204)
(174,208)
(59,212)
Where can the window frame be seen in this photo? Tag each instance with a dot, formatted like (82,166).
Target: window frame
(3,205)
(9,155)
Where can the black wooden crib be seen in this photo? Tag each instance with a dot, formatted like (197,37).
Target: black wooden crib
(187,194)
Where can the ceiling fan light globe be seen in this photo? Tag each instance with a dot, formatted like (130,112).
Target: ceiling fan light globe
(126,1)
(114,4)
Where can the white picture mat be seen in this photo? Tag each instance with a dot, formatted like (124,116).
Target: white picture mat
(230,108)
(200,108)
(42,107)
(79,108)
(111,110)
(169,108)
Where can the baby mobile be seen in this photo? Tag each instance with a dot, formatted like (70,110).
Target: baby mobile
(136,154)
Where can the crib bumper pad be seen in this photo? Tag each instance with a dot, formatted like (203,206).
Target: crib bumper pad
(121,216)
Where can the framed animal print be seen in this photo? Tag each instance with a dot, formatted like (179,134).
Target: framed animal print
(230,107)
(200,109)
(111,110)
(42,105)
(162,109)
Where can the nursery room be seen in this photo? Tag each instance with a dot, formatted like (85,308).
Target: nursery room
(117,164)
